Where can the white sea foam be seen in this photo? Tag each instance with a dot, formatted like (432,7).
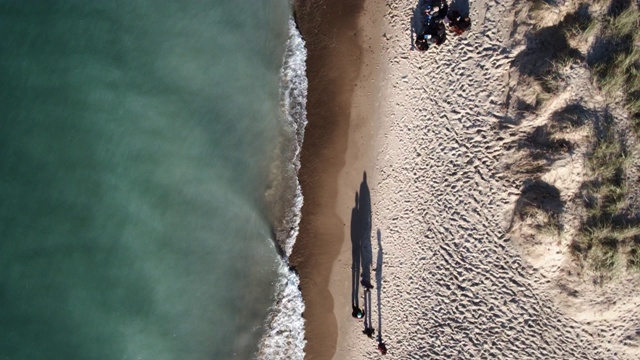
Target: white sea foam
(284,328)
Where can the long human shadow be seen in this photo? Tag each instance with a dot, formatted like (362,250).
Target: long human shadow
(378,271)
(368,323)
(360,245)
(355,260)
(364,224)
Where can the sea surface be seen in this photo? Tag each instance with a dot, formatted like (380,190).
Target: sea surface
(148,191)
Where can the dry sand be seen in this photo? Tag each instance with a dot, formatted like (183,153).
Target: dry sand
(423,127)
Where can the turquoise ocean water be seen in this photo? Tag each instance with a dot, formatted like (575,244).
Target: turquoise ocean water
(138,140)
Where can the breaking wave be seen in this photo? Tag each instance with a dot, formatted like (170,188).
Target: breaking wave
(284,328)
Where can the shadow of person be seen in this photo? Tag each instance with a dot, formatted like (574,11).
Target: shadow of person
(355,260)
(360,245)
(461,6)
(368,325)
(364,225)
(379,262)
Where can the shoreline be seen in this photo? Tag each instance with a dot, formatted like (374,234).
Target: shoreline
(334,155)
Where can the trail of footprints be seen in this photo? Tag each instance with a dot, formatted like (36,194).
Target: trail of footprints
(458,290)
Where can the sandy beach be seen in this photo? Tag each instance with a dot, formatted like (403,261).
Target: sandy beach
(401,174)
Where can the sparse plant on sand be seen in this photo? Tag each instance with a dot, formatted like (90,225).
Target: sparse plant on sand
(545,222)
(607,232)
(579,24)
(573,116)
(538,8)
(633,257)
(616,65)
(540,208)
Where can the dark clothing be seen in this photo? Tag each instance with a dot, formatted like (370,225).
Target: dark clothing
(441,34)
(436,16)
(434,32)
(421,43)
(444,9)
(458,23)
(434,35)
(382,348)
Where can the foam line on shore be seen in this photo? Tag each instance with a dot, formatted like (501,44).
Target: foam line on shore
(284,328)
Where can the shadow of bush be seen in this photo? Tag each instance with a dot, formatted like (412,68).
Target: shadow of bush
(541,143)
(540,195)
(570,117)
(544,49)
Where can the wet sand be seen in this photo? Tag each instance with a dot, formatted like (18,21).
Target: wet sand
(341,107)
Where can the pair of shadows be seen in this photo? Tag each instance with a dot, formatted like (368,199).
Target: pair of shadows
(361,261)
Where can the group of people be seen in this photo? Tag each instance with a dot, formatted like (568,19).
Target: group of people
(437,19)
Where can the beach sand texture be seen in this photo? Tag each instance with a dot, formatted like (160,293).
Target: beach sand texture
(448,284)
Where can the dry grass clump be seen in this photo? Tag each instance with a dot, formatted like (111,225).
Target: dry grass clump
(569,118)
(607,236)
(579,24)
(615,60)
(545,222)
(538,8)
(543,142)
(538,151)
(609,159)
(553,80)
(540,206)
(545,60)
(607,249)
(529,167)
